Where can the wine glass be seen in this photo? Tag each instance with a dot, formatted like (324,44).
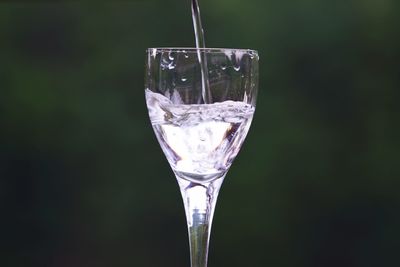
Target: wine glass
(201,103)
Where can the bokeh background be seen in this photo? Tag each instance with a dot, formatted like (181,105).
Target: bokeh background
(83,181)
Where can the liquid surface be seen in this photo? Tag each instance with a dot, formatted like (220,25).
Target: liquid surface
(200,141)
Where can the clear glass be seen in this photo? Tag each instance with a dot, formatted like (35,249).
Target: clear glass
(200,130)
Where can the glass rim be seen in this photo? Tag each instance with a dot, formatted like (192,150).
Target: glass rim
(194,49)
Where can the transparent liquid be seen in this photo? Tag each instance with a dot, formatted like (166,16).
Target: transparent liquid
(201,43)
(198,27)
(199,141)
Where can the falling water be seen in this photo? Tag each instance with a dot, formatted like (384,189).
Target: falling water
(201,55)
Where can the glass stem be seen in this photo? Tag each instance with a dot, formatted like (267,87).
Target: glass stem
(199,200)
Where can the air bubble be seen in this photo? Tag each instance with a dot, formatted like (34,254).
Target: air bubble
(171,65)
(237,68)
(183,79)
(223,67)
(164,63)
(253,55)
(171,56)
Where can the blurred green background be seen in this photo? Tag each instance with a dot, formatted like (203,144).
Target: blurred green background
(83,181)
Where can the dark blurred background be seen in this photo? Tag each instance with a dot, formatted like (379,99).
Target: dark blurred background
(83,181)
